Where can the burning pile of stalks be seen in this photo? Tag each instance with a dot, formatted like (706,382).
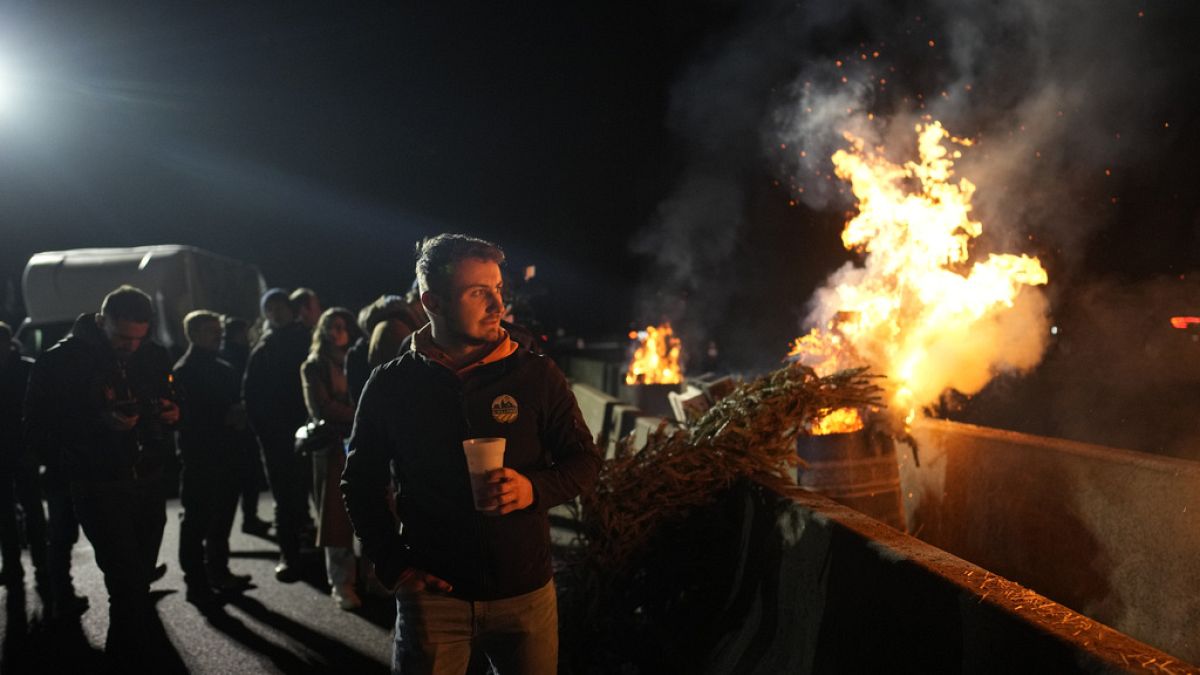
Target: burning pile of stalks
(656,358)
(630,520)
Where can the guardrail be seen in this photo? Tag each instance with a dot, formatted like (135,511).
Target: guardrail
(1111,533)
(850,594)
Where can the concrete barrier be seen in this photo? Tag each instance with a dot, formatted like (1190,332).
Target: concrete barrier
(610,420)
(1113,534)
(596,407)
(821,588)
(1108,538)
(646,425)
(607,418)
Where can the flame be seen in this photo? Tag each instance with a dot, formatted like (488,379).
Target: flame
(840,421)
(1182,322)
(917,309)
(656,360)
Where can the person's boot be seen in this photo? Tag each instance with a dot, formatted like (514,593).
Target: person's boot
(346,597)
(225,581)
(200,594)
(287,571)
(256,526)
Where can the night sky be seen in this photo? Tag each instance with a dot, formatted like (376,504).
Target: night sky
(320,144)
(632,153)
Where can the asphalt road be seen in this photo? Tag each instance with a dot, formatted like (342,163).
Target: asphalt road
(270,628)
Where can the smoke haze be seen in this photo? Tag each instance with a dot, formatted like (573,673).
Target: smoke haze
(1067,104)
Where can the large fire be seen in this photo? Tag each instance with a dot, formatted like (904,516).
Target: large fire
(917,309)
(656,359)
(840,421)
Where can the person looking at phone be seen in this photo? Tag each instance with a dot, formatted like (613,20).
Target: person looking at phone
(100,404)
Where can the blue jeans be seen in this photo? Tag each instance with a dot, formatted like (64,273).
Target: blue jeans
(437,634)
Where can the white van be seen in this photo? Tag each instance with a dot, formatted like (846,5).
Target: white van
(60,285)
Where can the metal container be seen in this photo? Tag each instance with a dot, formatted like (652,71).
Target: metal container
(650,398)
(857,469)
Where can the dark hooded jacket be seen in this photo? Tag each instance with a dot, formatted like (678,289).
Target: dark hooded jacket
(208,388)
(79,380)
(272,388)
(236,355)
(413,416)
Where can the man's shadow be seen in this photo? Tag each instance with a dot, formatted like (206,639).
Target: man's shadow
(236,630)
(158,648)
(380,611)
(44,645)
(335,654)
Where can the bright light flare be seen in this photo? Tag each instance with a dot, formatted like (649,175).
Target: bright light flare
(8,88)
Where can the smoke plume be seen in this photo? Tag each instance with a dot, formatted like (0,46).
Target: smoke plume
(1062,100)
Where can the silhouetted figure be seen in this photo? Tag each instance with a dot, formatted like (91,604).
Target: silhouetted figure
(388,335)
(306,305)
(275,403)
(63,532)
(212,417)
(235,349)
(102,399)
(384,324)
(328,399)
(18,474)
(358,369)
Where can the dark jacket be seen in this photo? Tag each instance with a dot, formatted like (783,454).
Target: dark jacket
(14,376)
(379,346)
(208,388)
(358,368)
(326,393)
(414,415)
(274,398)
(236,355)
(74,384)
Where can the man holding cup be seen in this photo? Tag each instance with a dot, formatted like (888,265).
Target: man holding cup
(483,437)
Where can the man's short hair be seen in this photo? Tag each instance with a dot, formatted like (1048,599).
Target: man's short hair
(192,321)
(385,306)
(6,333)
(436,258)
(128,303)
(300,298)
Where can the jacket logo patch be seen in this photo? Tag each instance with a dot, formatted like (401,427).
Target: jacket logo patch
(504,409)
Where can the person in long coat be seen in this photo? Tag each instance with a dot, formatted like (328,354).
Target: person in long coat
(327,396)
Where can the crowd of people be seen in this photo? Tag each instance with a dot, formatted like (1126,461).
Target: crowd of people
(358,419)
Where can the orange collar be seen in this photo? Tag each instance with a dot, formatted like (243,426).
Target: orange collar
(424,344)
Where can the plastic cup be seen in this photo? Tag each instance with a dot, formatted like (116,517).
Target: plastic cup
(483,455)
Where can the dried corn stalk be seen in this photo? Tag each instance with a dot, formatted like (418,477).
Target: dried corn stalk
(748,434)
